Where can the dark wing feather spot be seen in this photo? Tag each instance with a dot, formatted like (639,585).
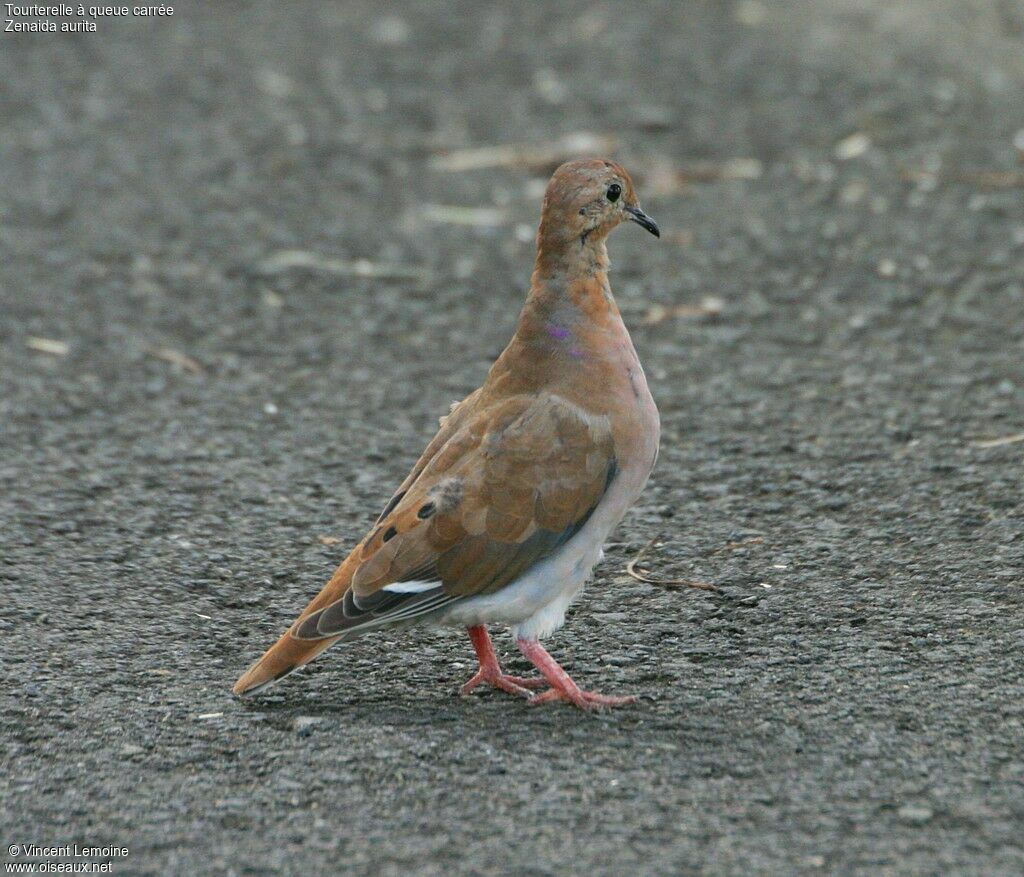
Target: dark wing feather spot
(390,507)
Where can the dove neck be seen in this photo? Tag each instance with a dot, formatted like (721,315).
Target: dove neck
(570,322)
(562,259)
(570,279)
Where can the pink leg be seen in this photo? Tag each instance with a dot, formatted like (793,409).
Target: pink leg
(490,671)
(562,687)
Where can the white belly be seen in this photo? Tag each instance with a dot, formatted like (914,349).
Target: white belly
(533,605)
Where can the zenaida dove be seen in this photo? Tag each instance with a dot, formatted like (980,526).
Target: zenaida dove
(504,516)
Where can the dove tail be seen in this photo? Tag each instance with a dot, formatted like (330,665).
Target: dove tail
(289,653)
(286,655)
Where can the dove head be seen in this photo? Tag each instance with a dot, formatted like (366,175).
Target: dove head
(585,200)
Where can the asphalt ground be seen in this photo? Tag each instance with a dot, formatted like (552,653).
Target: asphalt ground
(246,261)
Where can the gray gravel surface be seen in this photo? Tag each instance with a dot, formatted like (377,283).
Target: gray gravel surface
(851,701)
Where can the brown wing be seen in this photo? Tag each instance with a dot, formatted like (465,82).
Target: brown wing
(449,425)
(509,485)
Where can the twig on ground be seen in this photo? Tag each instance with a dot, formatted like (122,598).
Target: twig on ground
(730,169)
(999,442)
(451,214)
(176,357)
(285,260)
(664,177)
(520,155)
(983,179)
(732,546)
(996,179)
(631,569)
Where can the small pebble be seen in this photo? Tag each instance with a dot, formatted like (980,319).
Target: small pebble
(853,146)
(915,814)
(303,725)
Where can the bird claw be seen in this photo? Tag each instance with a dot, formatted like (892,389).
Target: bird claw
(590,701)
(512,684)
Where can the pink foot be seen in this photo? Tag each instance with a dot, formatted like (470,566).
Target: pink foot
(585,700)
(562,686)
(490,671)
(511,684)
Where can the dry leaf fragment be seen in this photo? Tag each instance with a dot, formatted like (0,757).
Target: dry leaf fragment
(47,345)
(710,306)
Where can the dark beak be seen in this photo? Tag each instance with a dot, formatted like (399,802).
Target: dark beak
(643,220)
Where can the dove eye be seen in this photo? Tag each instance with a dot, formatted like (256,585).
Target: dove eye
(614,190)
